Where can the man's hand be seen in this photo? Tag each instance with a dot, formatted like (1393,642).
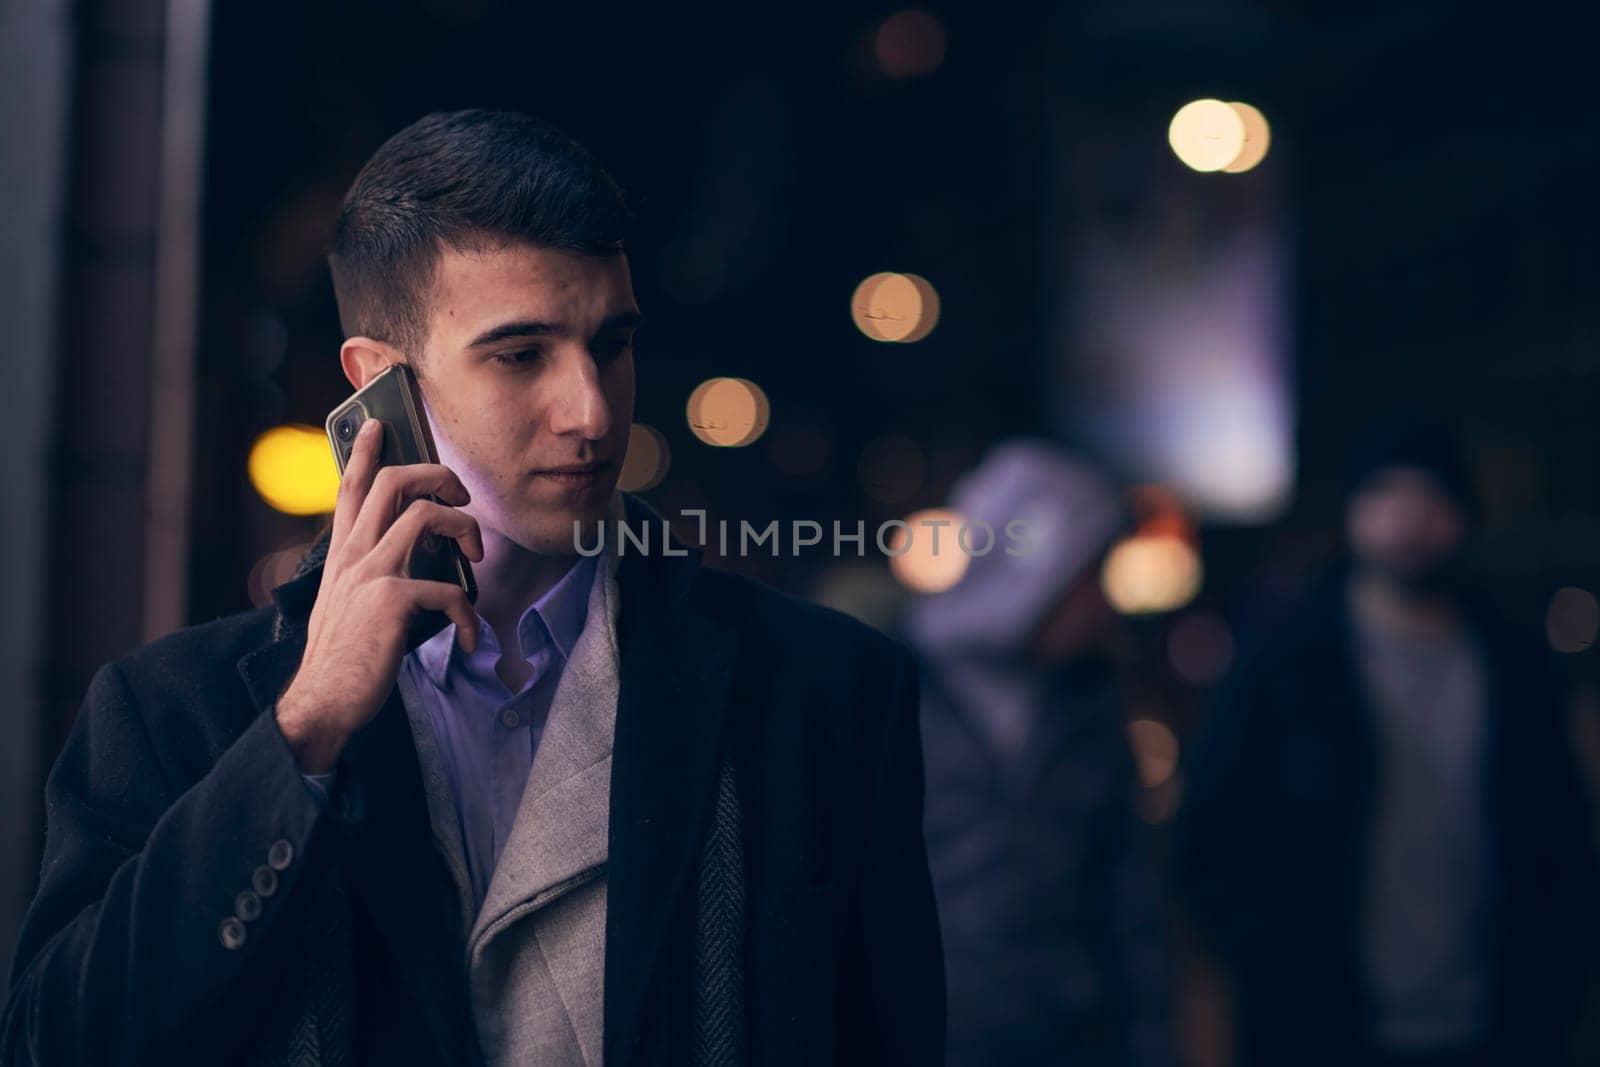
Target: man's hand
(356,636)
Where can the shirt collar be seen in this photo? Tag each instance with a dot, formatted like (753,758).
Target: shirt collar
(556,617)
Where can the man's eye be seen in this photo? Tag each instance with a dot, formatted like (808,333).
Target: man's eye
(615,349)
(513,359)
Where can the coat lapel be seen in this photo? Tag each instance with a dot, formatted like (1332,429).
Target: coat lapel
(389,855)
(560,829)
(677,663)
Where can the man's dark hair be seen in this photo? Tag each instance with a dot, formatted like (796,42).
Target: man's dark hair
(470,181)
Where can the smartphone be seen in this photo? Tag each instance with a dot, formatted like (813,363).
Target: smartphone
(394,399)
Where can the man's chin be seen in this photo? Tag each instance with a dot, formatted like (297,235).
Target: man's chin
(567,530)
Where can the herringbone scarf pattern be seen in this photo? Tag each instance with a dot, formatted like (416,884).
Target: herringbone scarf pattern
(719,934)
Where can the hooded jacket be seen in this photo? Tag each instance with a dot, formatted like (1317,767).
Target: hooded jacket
(1048,909)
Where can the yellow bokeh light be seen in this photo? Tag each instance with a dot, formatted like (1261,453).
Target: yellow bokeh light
(1257,139)
(292,468)
(917,562)
(930,308)
(647,461)
(890,306)
(728,412)
(1207,135)
(1148,574)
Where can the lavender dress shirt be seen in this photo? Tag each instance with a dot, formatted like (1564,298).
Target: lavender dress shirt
(486,734)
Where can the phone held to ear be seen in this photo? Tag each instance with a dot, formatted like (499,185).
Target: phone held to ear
(394,399)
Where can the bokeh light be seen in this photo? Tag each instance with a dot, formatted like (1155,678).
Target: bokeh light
(1155,751)
(292,468)
(891,306)
(909,44)
(1572,619)
(1257,138)
(913,559)
(728,412)
(647,461)
(1146,574)
(1206,135)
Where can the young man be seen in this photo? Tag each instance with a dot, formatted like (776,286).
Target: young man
(1385,835)
(621,810)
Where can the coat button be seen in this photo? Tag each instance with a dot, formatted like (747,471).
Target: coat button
(247,906)
(264,881)
(231,933)
(510,719)
(280,855)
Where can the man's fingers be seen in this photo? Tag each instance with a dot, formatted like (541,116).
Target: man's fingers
(393,488)
(442,596)
(425,516)
(356,480)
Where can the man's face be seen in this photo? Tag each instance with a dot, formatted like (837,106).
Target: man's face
(1403,525)
(528,373)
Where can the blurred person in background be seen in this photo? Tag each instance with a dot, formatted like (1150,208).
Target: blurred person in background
(1049,912)
(1385,838)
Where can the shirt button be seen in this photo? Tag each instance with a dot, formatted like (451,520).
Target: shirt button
(264,881)
(247,906)
(231,933)
(510,719)
(280,855)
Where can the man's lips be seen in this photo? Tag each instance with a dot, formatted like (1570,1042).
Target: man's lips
(574,473)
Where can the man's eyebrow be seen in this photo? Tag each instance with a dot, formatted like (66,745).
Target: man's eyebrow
(624,320)
(506,330)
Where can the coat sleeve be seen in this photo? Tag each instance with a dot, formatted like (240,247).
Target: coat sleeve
(142,923)
(900,972)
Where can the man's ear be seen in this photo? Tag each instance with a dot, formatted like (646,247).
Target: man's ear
(363,359)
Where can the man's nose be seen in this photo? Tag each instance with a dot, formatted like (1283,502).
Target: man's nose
(578,406)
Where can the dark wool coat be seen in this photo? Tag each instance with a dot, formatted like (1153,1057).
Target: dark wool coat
(176,794)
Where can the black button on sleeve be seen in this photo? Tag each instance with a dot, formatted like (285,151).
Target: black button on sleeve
(264,881)
(280,855)
(247,906)
(231,933)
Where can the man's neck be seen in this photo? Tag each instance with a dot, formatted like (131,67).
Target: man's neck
(509,579)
